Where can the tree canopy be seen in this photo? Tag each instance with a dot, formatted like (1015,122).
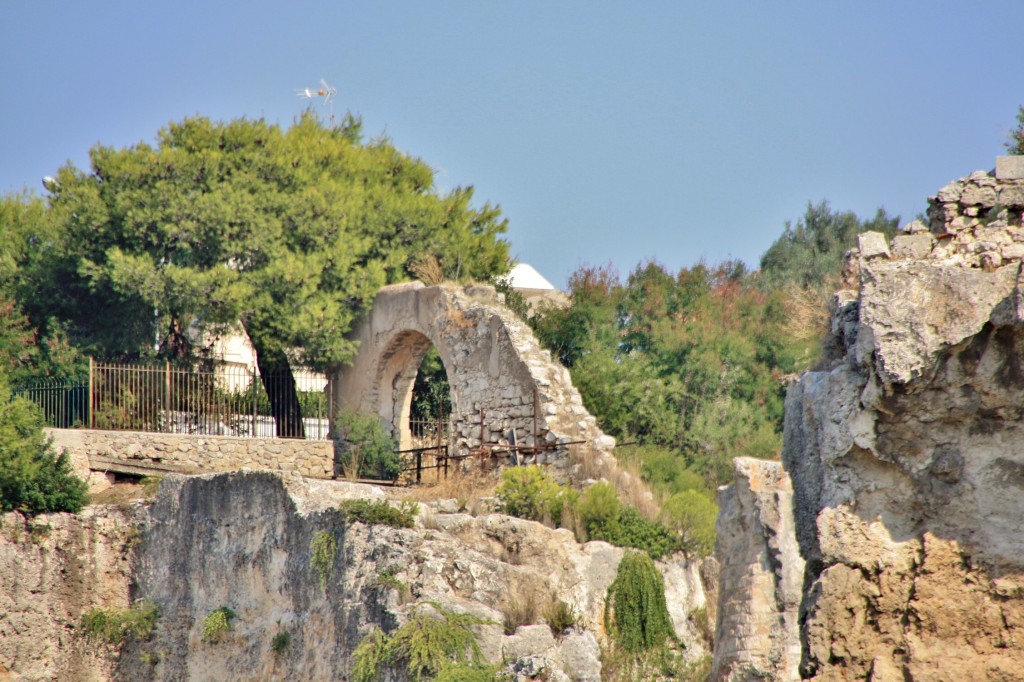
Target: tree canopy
(289,233)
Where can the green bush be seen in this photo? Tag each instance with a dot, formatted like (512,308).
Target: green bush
(530,493)
(323,548)
(468,672)
(599,510)
(692,514)
(115,626)
(380,513)
(33,479)
(217,624)
(424,647)
(365,447)
(282,640)
(635,611)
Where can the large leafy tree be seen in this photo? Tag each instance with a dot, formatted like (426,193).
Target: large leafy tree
(288,232)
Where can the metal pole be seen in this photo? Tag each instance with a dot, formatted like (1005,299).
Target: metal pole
(91,366)
(252,372)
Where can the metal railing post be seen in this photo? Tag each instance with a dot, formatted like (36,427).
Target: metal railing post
(91,366)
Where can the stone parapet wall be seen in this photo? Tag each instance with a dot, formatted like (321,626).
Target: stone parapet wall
(199,453)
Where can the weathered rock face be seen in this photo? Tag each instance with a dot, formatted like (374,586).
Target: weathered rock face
(758,634)
(52,570)
(243,541)
(907,455)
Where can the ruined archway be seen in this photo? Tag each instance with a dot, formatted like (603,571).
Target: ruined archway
(502,382)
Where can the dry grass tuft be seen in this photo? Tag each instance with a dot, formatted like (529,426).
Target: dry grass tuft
(469,488)
(428,269)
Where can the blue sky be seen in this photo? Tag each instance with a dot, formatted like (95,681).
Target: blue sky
(607,132)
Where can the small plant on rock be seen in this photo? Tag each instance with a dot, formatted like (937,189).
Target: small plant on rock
(117,625)
(217,624)
(282,640)
(560,617)
(323,549)
(427,645)
(381,513)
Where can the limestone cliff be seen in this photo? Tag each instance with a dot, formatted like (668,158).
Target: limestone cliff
(906,455)
(243,541)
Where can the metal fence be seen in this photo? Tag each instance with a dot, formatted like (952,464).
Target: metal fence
(223,400)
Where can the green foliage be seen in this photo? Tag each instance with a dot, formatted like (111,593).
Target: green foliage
(635,611)
(666,360)
(366,448)
(33,479)
(810,254)
(692,514)
(431,392)
(323,549)
(530,493)
(467,672)
(115,626)
(428,643)
(599,510)
(1015,143)
(604,518)
(280,643)
(514,300)
(380,513)
(217,624)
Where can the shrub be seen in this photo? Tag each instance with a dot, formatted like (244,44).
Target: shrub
(380,513)
(33,479)
(640,533)
(468,672)
(114,627)
(692,515)
(530,493)
(635,611)
(427,644)
(560,617)
(217,624)
(599,509)
(323,548)
(365,447)
(282,640)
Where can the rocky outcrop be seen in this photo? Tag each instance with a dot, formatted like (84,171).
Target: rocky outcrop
(758,634)
(243,541)
(53,569)
(906,453)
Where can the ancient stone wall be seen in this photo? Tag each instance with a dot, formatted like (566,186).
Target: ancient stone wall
(907,452)
(495,365)
(200,454)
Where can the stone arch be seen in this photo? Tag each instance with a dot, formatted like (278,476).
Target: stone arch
(494,364)
(391,392)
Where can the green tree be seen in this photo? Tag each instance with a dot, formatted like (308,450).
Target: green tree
(1015,143)
(33,479)
(288,232)
(810,253)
